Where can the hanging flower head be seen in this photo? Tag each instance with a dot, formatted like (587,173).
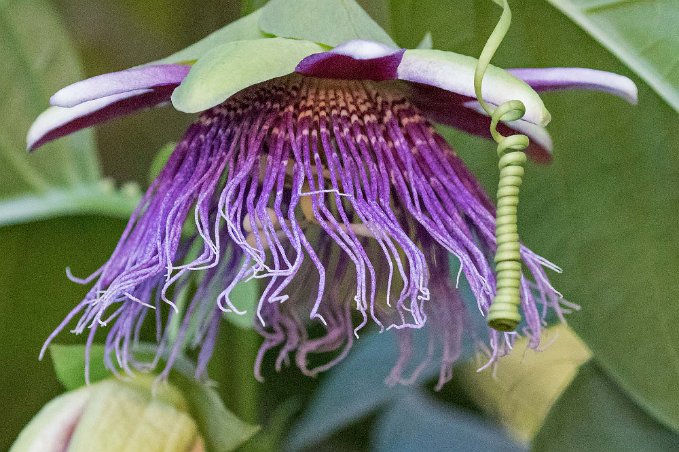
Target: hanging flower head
(313,166)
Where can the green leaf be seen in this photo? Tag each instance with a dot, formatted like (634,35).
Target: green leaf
(69,364)
(272,435)
(605,210)
(246,62)
(523,386)
(37,59)
(243,29)
(220,428)
(643,34)
(329,22)
(416,422)
(412,19)
(250,6)
(593,414)
(246,296)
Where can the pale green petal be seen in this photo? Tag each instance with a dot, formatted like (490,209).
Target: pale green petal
(232,67)
(245,28)
(455,73)
(329,22)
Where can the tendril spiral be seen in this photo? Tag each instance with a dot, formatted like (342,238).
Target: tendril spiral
(504,314)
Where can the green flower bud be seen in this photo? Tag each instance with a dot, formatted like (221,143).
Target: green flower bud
(113,415)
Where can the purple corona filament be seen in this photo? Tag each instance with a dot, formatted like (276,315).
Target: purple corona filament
(342,198)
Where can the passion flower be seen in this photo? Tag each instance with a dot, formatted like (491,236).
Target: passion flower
(315,166)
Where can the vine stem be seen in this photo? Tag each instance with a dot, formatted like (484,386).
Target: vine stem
(78,200)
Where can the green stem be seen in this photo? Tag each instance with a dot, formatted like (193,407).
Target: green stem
(55,202)
(246,344)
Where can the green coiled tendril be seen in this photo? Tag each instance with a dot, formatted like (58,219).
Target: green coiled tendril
(504,312)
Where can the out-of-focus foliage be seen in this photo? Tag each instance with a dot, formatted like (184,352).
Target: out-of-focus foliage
(521,390)
(416,422)
(335,22)
(63,178)
(642,34)
(37,60)
(367,394)
(595,415)
(35,295)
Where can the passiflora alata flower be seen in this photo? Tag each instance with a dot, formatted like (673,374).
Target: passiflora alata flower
(315,167)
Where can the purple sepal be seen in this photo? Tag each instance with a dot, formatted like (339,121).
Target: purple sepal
(557,78)
(57,122)
(458,111)
(105,85)
(354,60)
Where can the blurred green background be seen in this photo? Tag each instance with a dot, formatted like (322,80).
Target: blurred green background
(606,210)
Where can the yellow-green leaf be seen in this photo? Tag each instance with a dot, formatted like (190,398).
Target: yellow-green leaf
(527,383)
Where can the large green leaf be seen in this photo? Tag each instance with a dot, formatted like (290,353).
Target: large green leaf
(379,353)
(522,388)
(416,422)
(223,431)
(595,415)
(242,29)
(37,59)
(643,34)
(329,22)
(606,210)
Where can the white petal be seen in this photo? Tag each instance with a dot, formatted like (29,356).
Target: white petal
(106,85)
(455,73)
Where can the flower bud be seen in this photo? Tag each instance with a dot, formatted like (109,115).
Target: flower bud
(113,415)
